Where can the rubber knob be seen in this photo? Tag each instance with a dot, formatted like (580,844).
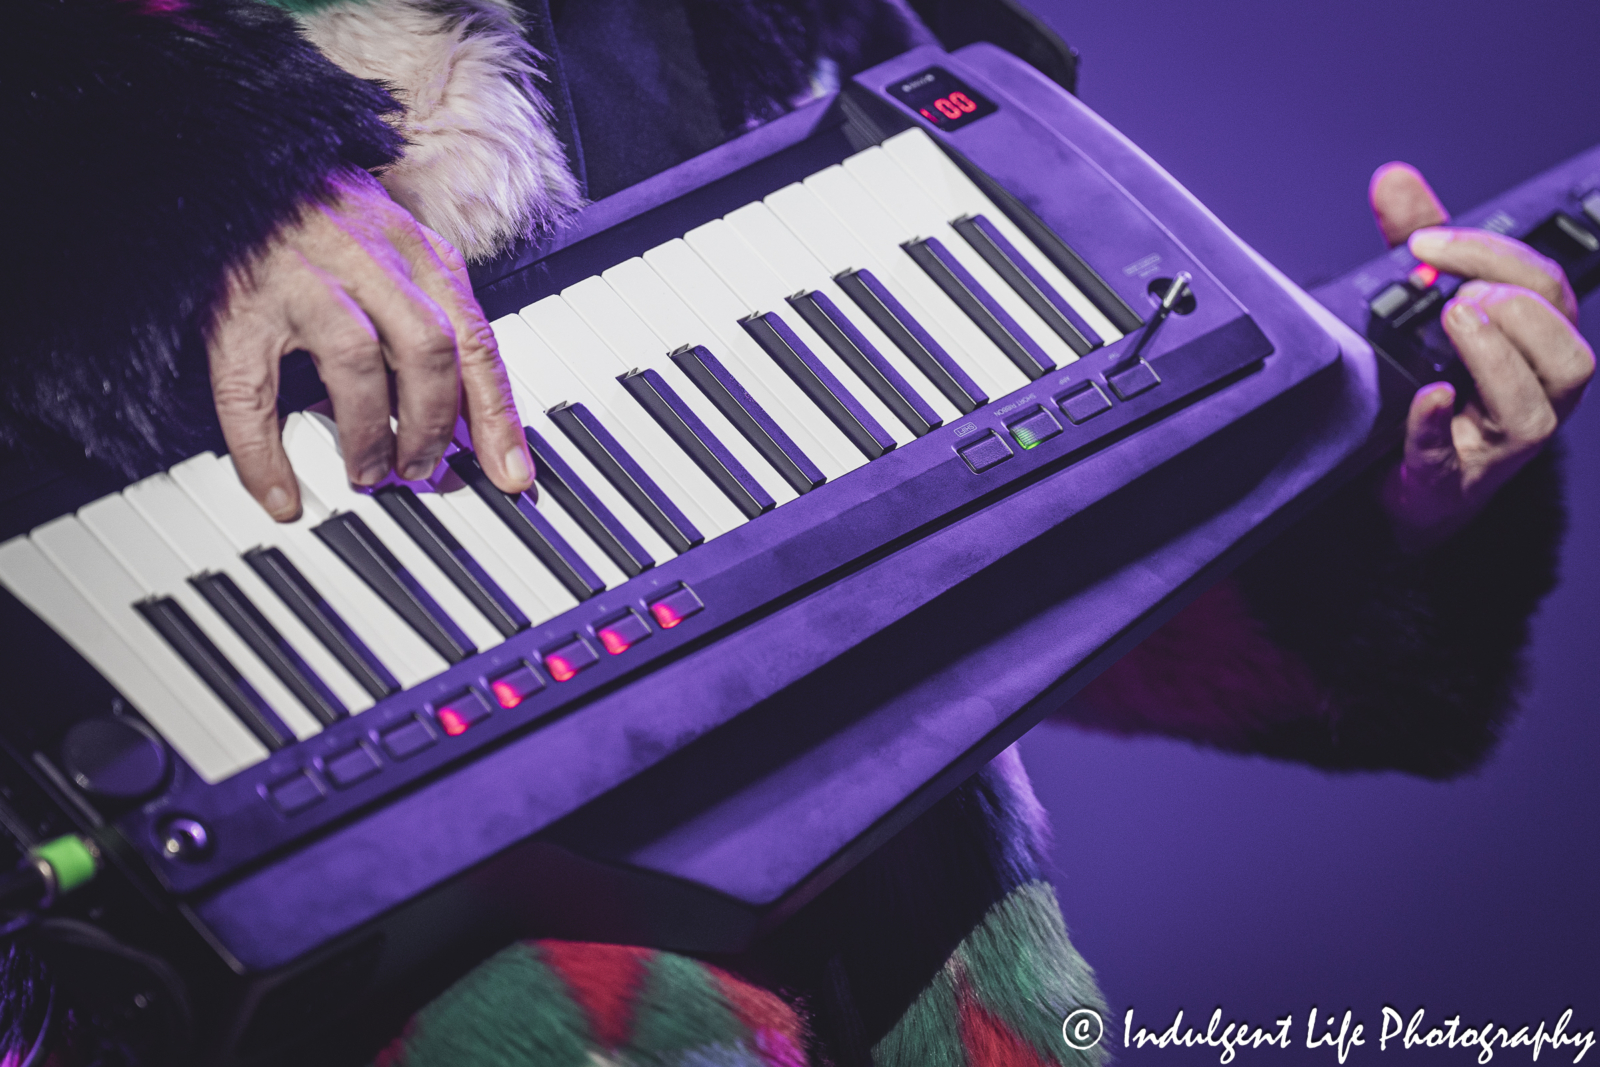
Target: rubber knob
(115,757)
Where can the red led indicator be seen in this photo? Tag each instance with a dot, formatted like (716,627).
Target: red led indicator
(665,614)
(615,643)
(950,107)
(506,694)
(1424,276)
(560,669)
(453,722)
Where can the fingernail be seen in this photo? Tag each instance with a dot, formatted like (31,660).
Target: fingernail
(1427,242)
(418,470)
(516,465)
(1465,315)
(279,506)
(371,475)
(1441,391)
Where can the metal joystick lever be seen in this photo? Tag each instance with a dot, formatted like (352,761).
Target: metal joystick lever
(1169,300)
(1131,375)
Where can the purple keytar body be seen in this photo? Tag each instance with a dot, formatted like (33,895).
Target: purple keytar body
(693,803)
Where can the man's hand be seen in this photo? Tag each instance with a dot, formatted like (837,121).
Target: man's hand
(369,292)
(1514,328)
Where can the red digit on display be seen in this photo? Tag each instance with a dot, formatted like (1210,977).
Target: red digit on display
(964,102)
(947,108)
(928,115)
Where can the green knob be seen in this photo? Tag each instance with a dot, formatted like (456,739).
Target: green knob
(73,859)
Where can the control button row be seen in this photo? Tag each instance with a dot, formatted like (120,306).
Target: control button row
(1079,404)
(459,713)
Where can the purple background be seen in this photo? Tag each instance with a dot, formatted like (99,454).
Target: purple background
(1194,880)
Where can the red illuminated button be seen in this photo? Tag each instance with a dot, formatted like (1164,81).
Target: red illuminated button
(460,712)
(513,687)
(621,634)
(676,606)
(1423,276)
(565,662)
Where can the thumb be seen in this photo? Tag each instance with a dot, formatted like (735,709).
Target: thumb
(1402,201)
(1430,452)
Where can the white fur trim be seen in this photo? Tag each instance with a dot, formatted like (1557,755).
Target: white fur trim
(483,166)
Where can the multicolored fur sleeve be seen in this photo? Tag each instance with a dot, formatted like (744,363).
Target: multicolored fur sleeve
(155,145)
(1334,648)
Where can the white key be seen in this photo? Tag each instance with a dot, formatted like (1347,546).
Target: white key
(918,216)
(698,286)
(637,345)
(802,271)
(132,657)
(923,160)
(678,323)
(839,249)
(762,290)
(856,208)
(311,440)
(161,572)
(212,483)
(596,367)
(202,547)
(522,350)
(511,566)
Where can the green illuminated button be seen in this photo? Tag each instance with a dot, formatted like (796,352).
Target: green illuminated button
(1035,429)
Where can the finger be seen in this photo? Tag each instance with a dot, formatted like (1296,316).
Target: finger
(1553,347)
(243,353)
(1495,258)
(1430,451)
(419,343)
(344,343)
(1402,202)
(491,412)
(1520,416)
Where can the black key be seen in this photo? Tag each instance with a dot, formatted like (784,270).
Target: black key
(424,527)
(229,601)
(818,383)
(909,336)
(748,417)
(578,500)
(1066,260)
(318,615)
(206,660)
(623,471)
(518,513)
(1029,284)
(694,437)
(861,356)
(355,543)
(980,306)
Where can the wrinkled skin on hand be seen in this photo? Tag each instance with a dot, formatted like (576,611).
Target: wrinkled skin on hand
(384,307)
(1515,327)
